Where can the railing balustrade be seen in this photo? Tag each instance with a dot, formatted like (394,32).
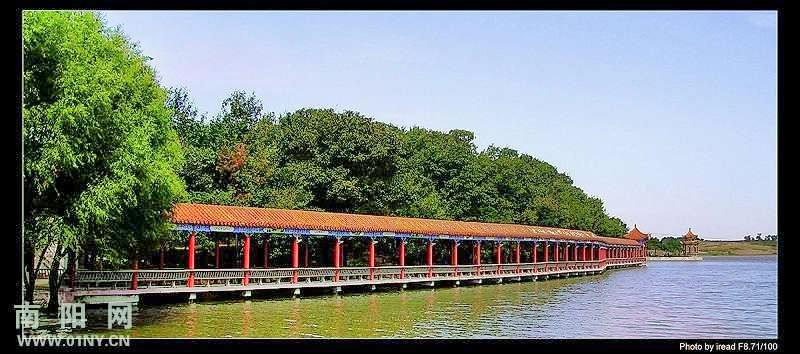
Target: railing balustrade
(170,278)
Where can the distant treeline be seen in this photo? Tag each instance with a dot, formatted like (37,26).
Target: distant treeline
(667,245)
(758,237)
(344,161)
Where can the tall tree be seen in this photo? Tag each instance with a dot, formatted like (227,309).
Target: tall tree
(101,158)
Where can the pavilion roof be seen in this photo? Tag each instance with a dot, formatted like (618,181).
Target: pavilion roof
(237,216)
(637,235)
(690,234)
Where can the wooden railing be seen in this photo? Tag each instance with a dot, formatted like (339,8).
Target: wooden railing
(144,279)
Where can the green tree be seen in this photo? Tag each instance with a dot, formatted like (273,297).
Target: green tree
(101,158)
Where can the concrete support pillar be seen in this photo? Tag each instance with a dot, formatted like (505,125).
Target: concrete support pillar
(190,261)
(246,259)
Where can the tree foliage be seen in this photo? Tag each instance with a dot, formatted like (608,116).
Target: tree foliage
(322,159)
(101,156)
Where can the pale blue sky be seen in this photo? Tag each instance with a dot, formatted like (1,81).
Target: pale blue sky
(669,117)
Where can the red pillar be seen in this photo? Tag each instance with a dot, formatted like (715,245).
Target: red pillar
(499,247)
(517,255)
(546,252)
(429,258)
(454,257)
(135,266)
(190,281)
(476,253)
(556,254)
(246,259)
(535,245)
(295,258)
(337,258)
(574,251)
(402,258)
(476,257)
(371,259)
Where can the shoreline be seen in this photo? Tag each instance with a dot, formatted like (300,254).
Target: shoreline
(702,257)
(675,258)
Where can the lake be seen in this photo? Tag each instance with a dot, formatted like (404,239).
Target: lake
(719,297)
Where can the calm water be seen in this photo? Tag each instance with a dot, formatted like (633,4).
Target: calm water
(719,297)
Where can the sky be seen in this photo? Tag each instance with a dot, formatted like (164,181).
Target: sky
(669,117)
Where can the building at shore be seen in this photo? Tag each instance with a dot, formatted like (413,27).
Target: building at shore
(638,236)
(690,243)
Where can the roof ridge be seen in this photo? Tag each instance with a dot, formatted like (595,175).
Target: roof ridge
(249,216)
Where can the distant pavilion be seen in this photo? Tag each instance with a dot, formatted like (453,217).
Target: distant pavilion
(690,243)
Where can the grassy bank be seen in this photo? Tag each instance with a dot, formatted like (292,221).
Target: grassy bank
(738,248)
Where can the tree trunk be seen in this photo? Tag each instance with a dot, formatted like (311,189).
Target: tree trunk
(54,281)
(30,281)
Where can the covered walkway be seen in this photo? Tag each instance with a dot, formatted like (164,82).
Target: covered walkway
(548,252)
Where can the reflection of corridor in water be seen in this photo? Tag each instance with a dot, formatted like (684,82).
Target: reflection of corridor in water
(373,316)
(191,321)
(744,303)
(295,318)
(338,326)
(247,318)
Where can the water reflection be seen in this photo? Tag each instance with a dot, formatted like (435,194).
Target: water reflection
(719,297)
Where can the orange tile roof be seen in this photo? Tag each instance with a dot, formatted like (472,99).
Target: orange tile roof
(637,235)
(690,235)
(236,216)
